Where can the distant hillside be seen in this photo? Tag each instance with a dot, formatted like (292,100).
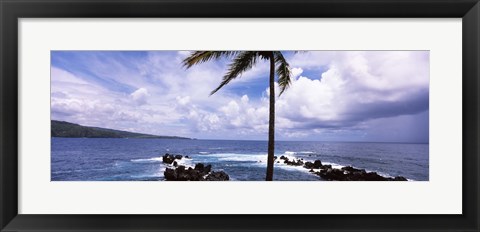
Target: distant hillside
(71,130)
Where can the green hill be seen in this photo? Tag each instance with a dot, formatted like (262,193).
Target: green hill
(72,130)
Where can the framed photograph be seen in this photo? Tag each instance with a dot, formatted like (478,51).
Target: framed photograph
(239,115)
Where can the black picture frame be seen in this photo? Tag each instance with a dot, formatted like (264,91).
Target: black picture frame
(12,10)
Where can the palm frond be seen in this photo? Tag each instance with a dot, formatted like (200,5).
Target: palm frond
(283,72)
(240,64)
(203,56)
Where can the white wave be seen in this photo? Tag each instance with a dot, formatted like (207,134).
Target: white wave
(204,152)
(260,160)
(298,152)
(239,157)
(306,152)
(62,172)
(185,162)
(286,167)
(289,154)
(291,157)
(79,170)
(148,160)
(387,175)
(334,165)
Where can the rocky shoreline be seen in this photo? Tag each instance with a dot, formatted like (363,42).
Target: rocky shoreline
(346,173)
(203,172)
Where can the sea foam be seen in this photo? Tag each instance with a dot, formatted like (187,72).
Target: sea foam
(148,160)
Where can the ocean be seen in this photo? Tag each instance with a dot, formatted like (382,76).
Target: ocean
(118,159)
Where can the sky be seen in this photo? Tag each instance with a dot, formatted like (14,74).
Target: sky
(358,96)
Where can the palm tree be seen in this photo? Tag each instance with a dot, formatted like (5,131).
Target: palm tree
(242,62)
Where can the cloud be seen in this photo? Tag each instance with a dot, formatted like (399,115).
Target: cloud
(183,100)
(333,95)
(140,96)
(359,86)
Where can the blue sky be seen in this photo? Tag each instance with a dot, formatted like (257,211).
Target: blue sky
(374,96)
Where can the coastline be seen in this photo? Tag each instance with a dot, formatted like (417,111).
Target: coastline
(177,172)
(140,159)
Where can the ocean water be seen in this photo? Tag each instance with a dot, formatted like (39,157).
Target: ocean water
(111,159)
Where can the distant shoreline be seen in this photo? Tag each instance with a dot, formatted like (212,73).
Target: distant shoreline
(62,129)
(180,138)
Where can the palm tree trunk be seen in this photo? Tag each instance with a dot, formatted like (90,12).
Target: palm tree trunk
(271,121)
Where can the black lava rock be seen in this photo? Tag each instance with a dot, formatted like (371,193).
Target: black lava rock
(217,176)
(167,158)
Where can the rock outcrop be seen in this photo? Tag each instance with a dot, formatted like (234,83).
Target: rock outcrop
(298,162)
(349,173)
(217,176)
(317,164)
(169,159)
(201,172)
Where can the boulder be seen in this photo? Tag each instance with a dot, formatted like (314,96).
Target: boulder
(317,164)
(349,173)
(200,173)
(343,175)
(217,176)
(202,169)
(175,163)
(199,167)
(167,158)
(308,165)
(332,174)
(207,168)
(294,162)
(326,166)
(373,176)
(180,168)
(170,174)
(194,175)
(182,174)
(352,169)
